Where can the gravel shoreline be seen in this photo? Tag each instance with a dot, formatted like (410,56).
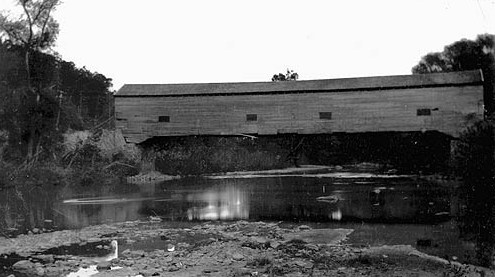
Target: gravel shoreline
(222,249)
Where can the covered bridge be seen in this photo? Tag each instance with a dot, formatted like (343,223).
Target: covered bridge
(442,102)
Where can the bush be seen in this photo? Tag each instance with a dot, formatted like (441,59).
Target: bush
(200,155)
(15,175)
(474,153)
(474,161)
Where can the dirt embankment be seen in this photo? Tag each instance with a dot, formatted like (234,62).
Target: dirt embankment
(222,249)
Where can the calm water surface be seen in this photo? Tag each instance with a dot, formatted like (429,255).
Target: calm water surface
(382,210)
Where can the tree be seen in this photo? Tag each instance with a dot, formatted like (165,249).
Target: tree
(465,55)
(72,97)
(474,154)
(289,76)
(34,31)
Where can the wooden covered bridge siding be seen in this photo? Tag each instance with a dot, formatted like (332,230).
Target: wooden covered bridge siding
(440,102)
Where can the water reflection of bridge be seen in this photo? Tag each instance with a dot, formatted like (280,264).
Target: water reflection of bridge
(300,198)
(277,198)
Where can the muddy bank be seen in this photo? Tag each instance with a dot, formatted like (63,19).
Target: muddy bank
(155,176)
(217,249)
(361,170)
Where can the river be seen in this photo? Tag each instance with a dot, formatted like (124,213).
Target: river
(382,209)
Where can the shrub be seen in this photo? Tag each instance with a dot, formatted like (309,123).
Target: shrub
(474,160)
(199,155)
(474,153)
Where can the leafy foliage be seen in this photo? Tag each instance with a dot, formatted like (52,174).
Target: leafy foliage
(465,55)
(42,94)
(289,76)
(71,98)
(474,159)
(475,152)
(36,29)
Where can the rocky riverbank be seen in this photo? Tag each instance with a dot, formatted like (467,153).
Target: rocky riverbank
(216,249)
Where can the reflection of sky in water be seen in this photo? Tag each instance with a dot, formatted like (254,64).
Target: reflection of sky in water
(85,212)
(227,204)
(336,215)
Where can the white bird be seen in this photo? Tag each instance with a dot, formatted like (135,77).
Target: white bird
(114,254)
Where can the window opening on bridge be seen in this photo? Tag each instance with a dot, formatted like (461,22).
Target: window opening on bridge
(325,115)
(164,118)
(251,117)
(423,112)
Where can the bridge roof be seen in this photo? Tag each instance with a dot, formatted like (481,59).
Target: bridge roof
(327,85)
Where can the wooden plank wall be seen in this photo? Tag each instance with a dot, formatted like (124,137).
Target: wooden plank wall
(354,111)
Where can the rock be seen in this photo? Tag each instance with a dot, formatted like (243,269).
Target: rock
(237,256)
(155,219)
(48,259)
(183,245)
(259,240)
(29,268)
(304,227)
(84,264)
(307,265)
(319,236)
(274,244)
(126,252)
(159,253)
(23,266)
(300,263)
(312,247)
(137,253)
(128,262)
(103,266)
(39,270)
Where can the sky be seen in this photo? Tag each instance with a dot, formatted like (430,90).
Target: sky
(206,41)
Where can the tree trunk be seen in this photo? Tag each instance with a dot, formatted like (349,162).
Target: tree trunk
(32,129)
(30,146)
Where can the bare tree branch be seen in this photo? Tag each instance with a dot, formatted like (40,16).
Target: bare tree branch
(30,22)
(44,24)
